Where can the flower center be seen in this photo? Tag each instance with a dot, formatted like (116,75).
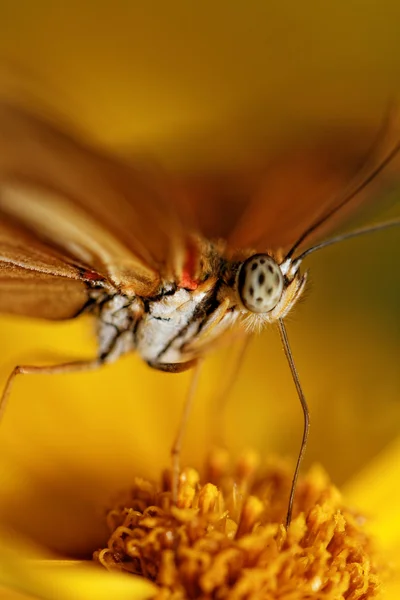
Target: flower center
(225,538)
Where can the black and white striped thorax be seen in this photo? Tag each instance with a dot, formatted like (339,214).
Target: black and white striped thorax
(164,329)
(176,327)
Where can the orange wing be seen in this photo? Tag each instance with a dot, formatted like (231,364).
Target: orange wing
(34,280)
(86,203)
(270,206)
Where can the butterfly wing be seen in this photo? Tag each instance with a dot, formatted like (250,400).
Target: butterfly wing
(270,206)
(34,280)
(87,204)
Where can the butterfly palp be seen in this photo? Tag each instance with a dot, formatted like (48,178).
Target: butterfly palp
(260,283)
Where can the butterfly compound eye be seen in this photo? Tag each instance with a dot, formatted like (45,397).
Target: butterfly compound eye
(260,283)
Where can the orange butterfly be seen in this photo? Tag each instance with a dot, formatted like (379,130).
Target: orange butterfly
(166,266)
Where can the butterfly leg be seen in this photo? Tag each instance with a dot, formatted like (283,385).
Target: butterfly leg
(71,367)
(306,416)
(236,362)
(177,445)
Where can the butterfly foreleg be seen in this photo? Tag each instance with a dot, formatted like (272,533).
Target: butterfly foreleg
(70,367)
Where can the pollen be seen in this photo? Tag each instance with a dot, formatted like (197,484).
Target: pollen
(225,538)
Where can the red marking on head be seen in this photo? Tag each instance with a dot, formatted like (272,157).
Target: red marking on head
(187,283)
(91,276)
(187,280)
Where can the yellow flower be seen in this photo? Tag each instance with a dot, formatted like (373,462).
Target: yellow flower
(200,86)
(220,540)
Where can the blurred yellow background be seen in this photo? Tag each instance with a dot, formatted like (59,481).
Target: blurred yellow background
(205,84)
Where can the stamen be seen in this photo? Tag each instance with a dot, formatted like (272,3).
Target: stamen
(225,538)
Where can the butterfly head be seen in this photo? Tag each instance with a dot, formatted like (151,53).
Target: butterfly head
(268,289)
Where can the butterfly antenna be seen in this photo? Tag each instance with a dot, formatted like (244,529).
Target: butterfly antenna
(348,196)
(306,414)
(348,236)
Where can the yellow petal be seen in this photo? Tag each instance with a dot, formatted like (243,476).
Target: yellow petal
(376,490)
(22,574)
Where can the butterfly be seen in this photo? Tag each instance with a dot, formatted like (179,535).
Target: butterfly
(166,265)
